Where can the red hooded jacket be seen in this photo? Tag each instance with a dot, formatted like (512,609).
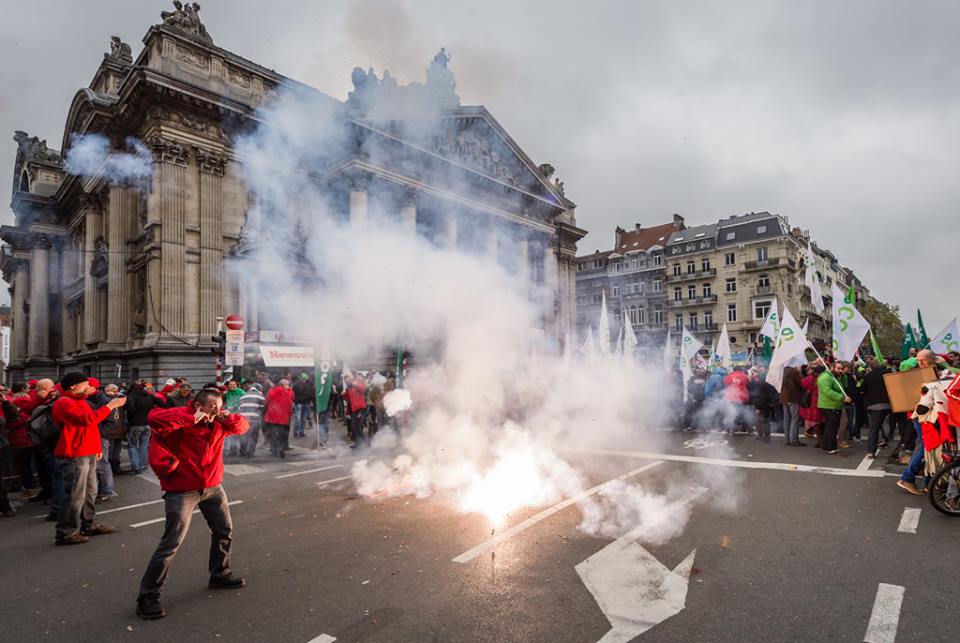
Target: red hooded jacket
(279,406)
(80,435)
(735,388)
(356,396)
(17,430)
(187,456)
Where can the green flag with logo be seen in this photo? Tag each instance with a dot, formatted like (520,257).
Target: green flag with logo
(922,341)
(322,379)
(909,341)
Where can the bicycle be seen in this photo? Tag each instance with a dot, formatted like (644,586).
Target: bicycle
(944,488)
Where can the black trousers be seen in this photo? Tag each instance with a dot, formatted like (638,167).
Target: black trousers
(179,506)
(828,441)
(876,428)
(356,427)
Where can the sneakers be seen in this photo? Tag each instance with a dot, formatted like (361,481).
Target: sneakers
(98,530)
(149,609)
(831,452)
(107,497)
(844,445)
(226,581)
(72,539)
(909,487)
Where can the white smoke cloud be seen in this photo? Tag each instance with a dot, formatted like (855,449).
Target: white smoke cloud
(91,154)
(492,400)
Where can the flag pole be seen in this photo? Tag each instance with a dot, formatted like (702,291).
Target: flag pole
(832,376)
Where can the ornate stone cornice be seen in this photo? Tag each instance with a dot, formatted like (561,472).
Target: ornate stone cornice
(167,151)
(211,162)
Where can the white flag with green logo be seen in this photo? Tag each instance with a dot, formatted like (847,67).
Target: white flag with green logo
(690,345)
(771,325)
(813,282)
(800,359)
(790,342)
(629,337)
(849,326)
(948,340)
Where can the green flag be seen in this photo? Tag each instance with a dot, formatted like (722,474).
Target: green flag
(767,349)
(922,341)
(909,341)
(876,347)
(851,297)
(322,379)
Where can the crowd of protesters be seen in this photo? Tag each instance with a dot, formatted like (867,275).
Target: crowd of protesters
(33,436)
(834,405)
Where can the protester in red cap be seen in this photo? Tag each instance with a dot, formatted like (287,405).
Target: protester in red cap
(186,453)
(77,452)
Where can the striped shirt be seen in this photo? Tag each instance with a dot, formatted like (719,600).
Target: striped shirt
(251,407)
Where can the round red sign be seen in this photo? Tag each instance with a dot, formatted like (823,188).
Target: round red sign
(234,322)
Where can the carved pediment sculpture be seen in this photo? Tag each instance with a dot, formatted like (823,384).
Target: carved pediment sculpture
(186,17)
(33,149)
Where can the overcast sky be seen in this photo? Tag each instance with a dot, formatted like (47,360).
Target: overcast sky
(843,116)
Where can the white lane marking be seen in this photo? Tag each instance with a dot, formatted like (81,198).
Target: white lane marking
(195,511)
(301,473)
(909,520)
(865,464)
(332,480)
(139,504)
(743,464)
(487,545)
(307,463)
(323,638)
(633,588)
(242,469)
(885,616)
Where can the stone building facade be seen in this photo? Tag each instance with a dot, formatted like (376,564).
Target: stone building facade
(632,275)
(129,277)
(691,288)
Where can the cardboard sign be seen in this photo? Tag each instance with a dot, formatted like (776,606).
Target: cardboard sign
(904,388)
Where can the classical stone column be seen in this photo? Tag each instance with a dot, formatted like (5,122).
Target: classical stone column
(39,332)
(358,203)
(212,168)
(408,212)
(18,339)
(93,227)
(523,256)
(170,201)
(450,232)
(121,215)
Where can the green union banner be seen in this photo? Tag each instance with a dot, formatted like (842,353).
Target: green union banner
(322,379)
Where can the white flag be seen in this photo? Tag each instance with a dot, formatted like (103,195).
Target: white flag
(790,343)
(849,327)
(948,339)
(629,338)
(619,347)
(771,325)
(603,333)
(589,348)
(813,282)
(800,359)
(723,349)
(690,345)
(668,361)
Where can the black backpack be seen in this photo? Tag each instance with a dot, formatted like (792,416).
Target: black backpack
(42,429)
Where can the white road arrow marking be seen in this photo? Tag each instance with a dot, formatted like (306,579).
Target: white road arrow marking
(635,590)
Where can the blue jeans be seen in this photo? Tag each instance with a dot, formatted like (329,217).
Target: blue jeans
(791,419)
(301,415)
(916,462)
(104,471)
(323,426)
(138,439)
(58,491)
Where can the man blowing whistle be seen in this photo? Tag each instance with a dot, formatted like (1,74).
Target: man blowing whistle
(186,453)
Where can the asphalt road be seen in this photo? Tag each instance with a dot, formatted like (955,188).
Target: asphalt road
(801,557)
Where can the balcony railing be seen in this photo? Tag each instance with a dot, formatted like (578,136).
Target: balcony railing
(686,276)
(762,264)
(761,291)
(693,301)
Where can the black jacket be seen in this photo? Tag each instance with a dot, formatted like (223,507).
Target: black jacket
(874,390)
(139,404)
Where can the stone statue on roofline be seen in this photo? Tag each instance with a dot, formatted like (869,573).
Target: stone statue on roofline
(186,17)
(120,49)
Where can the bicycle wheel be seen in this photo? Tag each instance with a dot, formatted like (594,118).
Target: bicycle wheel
(944,490)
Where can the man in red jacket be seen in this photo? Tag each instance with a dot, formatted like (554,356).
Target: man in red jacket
(186,453)
(277,412)
(77,452)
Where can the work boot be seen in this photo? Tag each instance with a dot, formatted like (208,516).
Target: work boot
(909,487)
(72,539)
(98,529)
(225,581)
(148,608)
